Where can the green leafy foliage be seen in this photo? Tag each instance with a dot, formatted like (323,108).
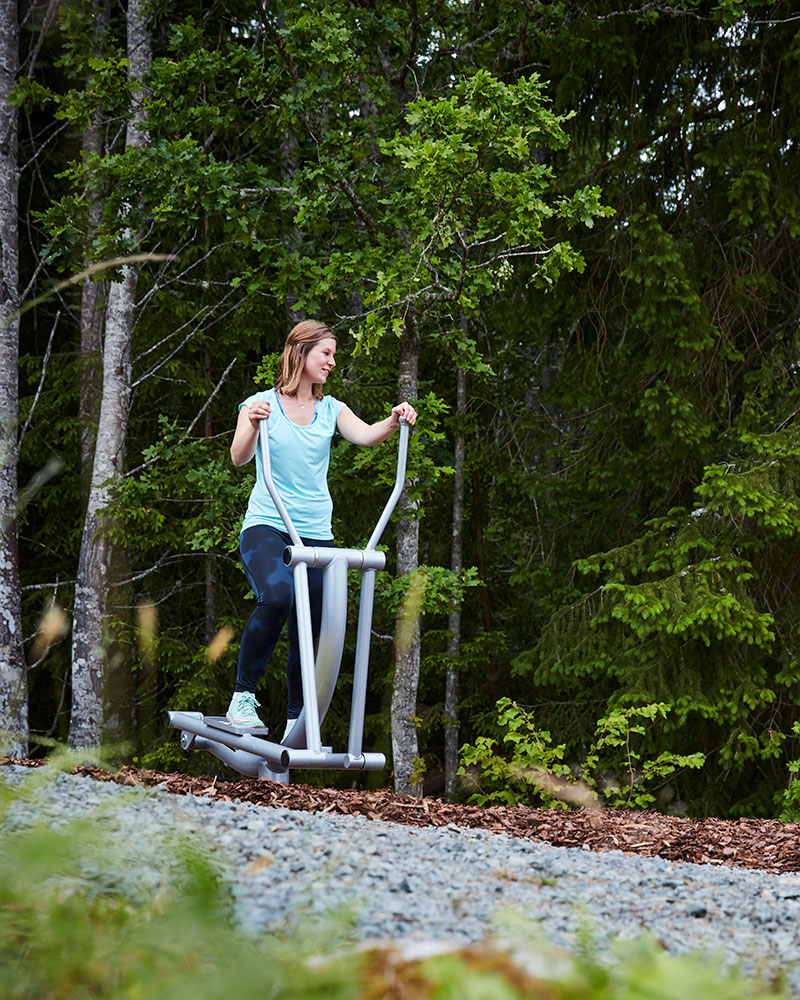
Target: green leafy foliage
(593,213)
(688,592)
(790,799)
(510,782)
(532,771)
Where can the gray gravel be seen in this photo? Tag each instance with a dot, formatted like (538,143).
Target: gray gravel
(451,885)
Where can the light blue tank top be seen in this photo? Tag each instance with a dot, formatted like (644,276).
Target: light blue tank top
(299,458)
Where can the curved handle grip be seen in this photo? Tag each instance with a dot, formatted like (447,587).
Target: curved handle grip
(383,520)
(266,464)
(399,483)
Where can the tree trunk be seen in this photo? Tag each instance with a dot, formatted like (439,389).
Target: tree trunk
(93,291)
(210,559)
(405,749)
(454,618)
(210,627)
(13,676)
(94,569)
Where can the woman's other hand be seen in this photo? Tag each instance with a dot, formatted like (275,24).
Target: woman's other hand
(245,436)
(353,428)
(258,412)
(406,411)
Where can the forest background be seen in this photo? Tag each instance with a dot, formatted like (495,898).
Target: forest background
(567,232)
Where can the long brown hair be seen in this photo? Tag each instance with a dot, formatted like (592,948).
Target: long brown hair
(298,344)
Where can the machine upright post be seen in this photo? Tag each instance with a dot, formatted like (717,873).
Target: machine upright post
(308,674)
(266,464)
(361,666)
(302,604)
(399,482)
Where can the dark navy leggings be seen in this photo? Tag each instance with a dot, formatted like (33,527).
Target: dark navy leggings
(261,548)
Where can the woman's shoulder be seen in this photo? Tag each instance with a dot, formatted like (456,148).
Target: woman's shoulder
(332,404)
(258,397)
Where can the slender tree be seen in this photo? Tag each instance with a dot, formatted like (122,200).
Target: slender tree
(13,680)
(456,565)
(93,581)
(93,290)
(405,747)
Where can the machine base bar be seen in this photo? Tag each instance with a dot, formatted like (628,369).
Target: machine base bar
(260,758)
(239,760)
(194,722)
(311,761)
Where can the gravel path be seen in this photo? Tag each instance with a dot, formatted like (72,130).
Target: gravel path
(456,885)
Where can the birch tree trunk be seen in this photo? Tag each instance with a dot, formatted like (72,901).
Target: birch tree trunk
(454,618)
(93,291)
(94,569)
(405,748)
(13,677)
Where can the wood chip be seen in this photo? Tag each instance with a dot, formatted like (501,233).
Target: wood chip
(767,844)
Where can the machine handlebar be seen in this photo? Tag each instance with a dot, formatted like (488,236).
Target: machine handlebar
(383,520)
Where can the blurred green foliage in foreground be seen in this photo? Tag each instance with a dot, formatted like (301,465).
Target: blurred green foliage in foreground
(82,917)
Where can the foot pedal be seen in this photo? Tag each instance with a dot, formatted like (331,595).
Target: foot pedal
(220,722)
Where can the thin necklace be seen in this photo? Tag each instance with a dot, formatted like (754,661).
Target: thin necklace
(301,405)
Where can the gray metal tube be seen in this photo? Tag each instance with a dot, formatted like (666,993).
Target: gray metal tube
(266,464)
(400,479)
(258,767)
(336,761)
(331,643)
(310,714)
(361,666)
(238,760)
(265,771)
(258,758)
(332,629)
(321,557)
(192,722)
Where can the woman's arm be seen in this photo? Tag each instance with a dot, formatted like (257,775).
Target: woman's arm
(354,429)
(245,437)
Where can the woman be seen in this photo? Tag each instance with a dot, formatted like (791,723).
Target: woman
(302,422)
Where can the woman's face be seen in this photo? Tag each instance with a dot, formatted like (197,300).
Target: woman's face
(320,360)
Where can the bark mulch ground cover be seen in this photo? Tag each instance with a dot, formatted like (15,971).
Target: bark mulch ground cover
(766,844)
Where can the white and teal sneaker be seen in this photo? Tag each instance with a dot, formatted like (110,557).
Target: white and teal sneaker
(242,711)
(290,724)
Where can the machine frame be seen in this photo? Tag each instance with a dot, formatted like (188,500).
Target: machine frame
(248,750)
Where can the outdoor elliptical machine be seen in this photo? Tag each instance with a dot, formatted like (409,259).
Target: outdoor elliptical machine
(247,750)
